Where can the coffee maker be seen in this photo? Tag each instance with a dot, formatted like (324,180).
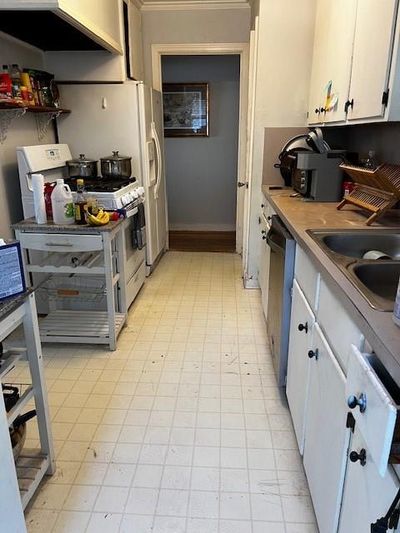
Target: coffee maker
(317,176)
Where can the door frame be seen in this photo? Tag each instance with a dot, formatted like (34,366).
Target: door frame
(242,50)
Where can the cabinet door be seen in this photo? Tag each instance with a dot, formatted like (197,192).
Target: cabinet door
(326,437)
(263,272)
(301,324)
(333,43)
(367,496)
(371,57)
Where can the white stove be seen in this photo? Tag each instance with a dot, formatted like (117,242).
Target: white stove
(50,160)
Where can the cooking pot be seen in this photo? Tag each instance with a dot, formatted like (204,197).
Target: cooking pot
(116,166)
(82,167)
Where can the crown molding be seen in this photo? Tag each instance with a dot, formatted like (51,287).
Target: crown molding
(176,5)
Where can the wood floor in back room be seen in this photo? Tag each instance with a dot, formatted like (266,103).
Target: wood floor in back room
(202,241)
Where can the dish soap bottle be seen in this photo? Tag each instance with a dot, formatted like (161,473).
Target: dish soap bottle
(62,204)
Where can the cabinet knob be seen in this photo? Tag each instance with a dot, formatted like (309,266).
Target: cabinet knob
(303,327)
(262,206)
(269,218)
(359,456)
(313,353)
(317,111)
(361,402)
(264,237)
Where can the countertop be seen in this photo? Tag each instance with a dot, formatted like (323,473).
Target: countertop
(10,304)
(299,216)
(29,225)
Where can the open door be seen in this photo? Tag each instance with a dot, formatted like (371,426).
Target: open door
(244,187)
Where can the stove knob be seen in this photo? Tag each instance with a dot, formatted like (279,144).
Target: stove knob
(135,194)
(140,191)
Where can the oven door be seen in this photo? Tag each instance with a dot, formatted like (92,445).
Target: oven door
(134,260)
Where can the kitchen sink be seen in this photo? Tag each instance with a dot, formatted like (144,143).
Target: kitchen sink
(377,279)
(356,244)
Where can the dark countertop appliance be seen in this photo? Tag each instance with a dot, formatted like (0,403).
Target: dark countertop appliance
(308,164)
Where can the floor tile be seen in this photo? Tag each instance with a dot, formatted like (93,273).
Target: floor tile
(182,429)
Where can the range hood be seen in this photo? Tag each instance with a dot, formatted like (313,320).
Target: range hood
(52,25)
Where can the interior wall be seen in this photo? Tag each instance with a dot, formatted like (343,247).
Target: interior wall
(22,132)
(285,45)
(202,171)
(192,26)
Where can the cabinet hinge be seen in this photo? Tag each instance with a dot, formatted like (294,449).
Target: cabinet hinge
(385,97)
(350,422)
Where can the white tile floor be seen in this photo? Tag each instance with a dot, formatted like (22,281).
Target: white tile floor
(182,429)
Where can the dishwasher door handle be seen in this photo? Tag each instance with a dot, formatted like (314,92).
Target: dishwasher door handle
(274,246)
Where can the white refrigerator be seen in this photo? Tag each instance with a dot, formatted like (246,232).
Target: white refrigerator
(126,117)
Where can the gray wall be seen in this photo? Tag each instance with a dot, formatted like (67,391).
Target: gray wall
(202,171)
(188,26)
(21,133)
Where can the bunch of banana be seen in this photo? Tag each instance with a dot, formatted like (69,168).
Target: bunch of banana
(101,219)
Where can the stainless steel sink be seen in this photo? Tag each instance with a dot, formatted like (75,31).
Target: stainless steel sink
(356,244)
(375,280)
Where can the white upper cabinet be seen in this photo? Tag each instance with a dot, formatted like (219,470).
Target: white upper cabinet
(356,62)
(331,69)
(373,42)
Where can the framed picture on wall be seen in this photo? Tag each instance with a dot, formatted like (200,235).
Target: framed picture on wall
(186,109)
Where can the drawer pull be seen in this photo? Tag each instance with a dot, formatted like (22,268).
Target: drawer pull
(303,327)
(361,456)
(361,402)
(64,244)
(313,353)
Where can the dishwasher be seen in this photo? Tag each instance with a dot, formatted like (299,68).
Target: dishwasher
(280,284)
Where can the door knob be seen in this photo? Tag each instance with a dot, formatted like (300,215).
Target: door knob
(313,353)
(303,327)
(361,402)
(359,456)
(242,184)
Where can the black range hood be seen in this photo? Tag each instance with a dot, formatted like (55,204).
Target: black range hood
(45,30)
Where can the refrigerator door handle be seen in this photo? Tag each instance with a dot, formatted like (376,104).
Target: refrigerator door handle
(159,158)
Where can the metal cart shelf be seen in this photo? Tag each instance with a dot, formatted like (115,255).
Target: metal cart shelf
(20,480)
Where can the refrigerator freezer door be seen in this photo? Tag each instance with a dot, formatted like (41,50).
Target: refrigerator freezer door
(153,172)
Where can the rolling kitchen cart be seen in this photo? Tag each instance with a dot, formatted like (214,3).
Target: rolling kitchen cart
(20,479)
(80,270)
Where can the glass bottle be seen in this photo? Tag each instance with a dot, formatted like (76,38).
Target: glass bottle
(80,202)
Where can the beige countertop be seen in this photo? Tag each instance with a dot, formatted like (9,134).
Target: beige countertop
(299,216)
(30,225)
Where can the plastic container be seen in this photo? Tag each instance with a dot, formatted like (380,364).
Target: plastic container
(396,310)
(26,82)
(62,204)
(15,74)
(5,84)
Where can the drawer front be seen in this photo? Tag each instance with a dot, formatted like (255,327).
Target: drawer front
(267,210)
(134,285)
(307,277)
(337,326)
(376,415)
(60,242)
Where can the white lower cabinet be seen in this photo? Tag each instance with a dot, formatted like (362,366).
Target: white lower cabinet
(326,436)
(263,273)
(301,324)
(367,495)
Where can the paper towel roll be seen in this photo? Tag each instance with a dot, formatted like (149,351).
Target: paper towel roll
(38,198)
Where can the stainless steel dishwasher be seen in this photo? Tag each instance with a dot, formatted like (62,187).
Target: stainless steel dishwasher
(281,274)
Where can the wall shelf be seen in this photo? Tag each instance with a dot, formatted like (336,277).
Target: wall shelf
(44,115)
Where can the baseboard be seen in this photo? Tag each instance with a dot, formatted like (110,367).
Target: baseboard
(202,227)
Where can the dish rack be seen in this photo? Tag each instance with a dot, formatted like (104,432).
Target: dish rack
(375,190)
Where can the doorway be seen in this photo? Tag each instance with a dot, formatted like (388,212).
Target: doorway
(159,51)
(201,172)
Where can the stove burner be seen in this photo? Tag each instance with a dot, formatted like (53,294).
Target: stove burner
(100,184)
